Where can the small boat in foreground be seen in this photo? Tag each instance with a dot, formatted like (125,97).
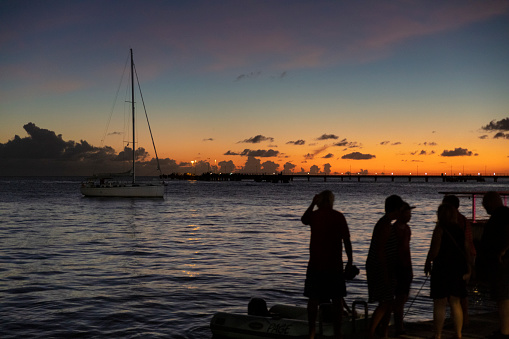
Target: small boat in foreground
(109,185)
(283,321)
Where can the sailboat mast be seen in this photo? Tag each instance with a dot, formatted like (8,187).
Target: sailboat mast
(132,107)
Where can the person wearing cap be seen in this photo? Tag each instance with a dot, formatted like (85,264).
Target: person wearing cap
(325,279)
(380,266)
(404,272)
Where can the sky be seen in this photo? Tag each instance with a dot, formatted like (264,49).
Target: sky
(402,86)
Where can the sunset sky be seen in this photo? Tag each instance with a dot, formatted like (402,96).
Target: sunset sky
(380,86)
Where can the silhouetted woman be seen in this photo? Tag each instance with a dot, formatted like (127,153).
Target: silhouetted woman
(448,263)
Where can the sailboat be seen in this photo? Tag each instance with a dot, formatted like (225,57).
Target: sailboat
(105,185)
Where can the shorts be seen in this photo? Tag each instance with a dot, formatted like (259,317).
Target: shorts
(324,286)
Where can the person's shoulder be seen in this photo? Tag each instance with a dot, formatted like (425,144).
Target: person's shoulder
(384,221)
(501,211)
(338,214)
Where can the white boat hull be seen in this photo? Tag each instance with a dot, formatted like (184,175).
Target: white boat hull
(285,322)
(124,191)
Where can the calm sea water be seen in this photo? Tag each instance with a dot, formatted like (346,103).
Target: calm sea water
(72,266)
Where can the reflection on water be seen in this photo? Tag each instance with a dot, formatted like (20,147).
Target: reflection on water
(133,267)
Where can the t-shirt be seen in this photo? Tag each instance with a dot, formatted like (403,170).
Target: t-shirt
(328,229)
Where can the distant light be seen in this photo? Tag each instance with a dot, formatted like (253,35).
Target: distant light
(392,173)
(426,173)
(410,173)
(460,173)
(493,173)
(478,173)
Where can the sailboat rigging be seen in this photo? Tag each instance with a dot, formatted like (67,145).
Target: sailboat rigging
(101,186)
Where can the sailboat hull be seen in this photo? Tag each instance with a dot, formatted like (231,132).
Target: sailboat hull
(125,191)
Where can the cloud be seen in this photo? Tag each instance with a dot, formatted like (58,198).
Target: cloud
(483,137)
(358,156)
(501,135)
(457,152)
(226,166)
(208,139)
(324,41)
(126,154)
(255,153)
(346,143)
(327,137)
(257,139)
(422,152)
(328,156)
(316,152)
(45,144)
(250,75)
(386,142)
(289,167)
(501,125)
(297,142)
(270,167)
(432,143)
(43,152)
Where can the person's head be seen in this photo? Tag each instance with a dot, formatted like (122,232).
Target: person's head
(451,199)
(447,214)
(393,206)
(406,213)
(491,201)
(325,199)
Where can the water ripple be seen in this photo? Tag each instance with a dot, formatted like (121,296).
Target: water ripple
(129,268)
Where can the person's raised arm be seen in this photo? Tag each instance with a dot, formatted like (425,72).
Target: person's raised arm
(306,218)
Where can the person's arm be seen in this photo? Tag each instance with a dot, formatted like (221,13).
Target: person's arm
(505,248)
(467,276)
(470,240)
(434,248)
(348,250)
(306,218)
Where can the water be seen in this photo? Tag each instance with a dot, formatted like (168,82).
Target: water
(89,267)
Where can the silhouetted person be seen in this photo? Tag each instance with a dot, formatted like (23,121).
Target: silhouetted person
(403,270)
(453,200)
(324,277)
(448,263)
(380,265)
(495,249)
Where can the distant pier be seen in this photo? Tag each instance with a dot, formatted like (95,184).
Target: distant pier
(286,178)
